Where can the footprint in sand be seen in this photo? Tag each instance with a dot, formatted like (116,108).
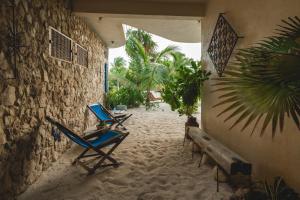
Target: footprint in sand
(118,181)
(162,180)
(139,162)
(151,168)
(199,194)
(133,174)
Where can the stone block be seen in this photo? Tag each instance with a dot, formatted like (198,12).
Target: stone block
(45,76)
(29,19)
(8,97)
(8,120)
(2,136)
(25,6)
(41,113)
(43,15)
(33,122)
(43,101)
(3,63)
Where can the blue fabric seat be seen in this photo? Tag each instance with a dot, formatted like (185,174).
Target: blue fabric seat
(109,135)
(102,139)
(104,115)
(96,142)
(100,113)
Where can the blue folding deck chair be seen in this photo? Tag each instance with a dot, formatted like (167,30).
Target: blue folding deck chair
(102,139)
(105,116)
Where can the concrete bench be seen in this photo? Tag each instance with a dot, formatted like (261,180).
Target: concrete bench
(229,161)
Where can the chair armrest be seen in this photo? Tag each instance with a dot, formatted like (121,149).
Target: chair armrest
(122,132)
(110,120)
(95,133)
(120,116)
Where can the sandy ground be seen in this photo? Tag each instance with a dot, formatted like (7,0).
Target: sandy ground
(155,167)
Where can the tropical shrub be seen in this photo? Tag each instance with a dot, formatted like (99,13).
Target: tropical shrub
(128,96)
(183,89)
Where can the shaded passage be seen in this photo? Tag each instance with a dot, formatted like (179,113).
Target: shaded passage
(155,166)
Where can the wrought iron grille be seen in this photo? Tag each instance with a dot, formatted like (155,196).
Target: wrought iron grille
(82,56)
(60,46)
(222,44)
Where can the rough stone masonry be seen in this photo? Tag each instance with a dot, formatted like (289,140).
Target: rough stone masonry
(44,86)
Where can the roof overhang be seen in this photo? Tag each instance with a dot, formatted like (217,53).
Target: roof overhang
(177,20)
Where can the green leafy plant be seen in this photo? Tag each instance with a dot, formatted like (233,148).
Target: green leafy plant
(129,96)
(266,190)
(278,190)
(264,81)
(183,89)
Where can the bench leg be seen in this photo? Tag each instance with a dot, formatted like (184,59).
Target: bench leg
(217,178)
(193,149)
(185,135)
(184,139)
(249,181)
(200,160)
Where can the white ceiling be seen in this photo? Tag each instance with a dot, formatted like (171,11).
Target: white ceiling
(177,20)
(111,31)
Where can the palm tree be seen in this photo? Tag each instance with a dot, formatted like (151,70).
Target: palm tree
(157,68)
(146,64)
(264,82)
(143,37)
(118,71)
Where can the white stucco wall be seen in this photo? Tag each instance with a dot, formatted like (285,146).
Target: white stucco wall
(254,20)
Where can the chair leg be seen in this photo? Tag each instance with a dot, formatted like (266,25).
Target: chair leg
(107,155)
(120,122)
(99,164)
(200,160)
(80,156)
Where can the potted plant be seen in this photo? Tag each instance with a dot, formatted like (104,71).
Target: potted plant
(183,89)
(101,125)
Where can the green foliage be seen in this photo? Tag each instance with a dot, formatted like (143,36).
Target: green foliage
(144,38)
(122,90)
(150,69)
(125,96)
(276,190)
(264,82)
(117,73)
(146,67)
(183,89)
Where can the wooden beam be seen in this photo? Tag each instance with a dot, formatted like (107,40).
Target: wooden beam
(135,7)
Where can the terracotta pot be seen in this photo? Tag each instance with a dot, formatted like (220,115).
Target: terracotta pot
(191,121)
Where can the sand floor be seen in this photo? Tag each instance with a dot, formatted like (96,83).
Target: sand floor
(155,167)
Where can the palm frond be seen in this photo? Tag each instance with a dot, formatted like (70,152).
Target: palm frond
(166,51)
(263,83)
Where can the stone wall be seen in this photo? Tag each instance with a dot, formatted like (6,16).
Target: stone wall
(45,86)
